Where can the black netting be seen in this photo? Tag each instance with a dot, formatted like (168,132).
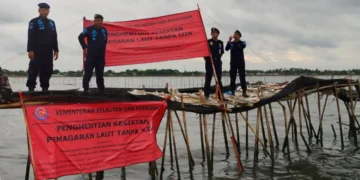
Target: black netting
(121,95)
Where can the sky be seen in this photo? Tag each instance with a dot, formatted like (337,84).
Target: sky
(310,34)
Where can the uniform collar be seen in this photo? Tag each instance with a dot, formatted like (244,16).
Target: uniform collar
(42,17)
(97,28)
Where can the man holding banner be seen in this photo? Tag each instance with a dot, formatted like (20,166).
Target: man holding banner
(217,50)
(95,52)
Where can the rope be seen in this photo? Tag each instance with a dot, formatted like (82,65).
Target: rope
(258,54)
(62,30)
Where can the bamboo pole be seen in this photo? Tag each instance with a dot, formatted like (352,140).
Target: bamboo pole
(174,144)
(269,134)
(207,148)
(305,119)
(274,126)
(237,156)
(333,131)
(256,148)
(237,132)
(186,132)
(307,114)
(263,128)
(225,136)
(309,118)
(213,143)
(292,122)
(286,130)
(190,158)
(300,121)
(319,107)
(202,138)
(352,114)
(247,135)
(336,92)
(320,130)
(170,145)
(256,135)
(164,146)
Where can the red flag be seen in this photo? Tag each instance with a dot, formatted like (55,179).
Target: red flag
(172,37)
(82,138)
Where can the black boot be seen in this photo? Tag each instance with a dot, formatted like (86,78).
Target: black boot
(245,95)
(45,89)
(31,89)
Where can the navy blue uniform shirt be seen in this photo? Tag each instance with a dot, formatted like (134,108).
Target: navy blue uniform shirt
(96,40)
(236,50)
(42,33)
(216,49)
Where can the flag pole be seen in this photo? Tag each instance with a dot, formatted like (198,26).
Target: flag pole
(84,55)
(218,89)
(212,62)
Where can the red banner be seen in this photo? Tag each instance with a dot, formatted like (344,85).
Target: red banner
(171,37)
(83,138)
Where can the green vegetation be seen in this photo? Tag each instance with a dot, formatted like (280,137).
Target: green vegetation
(171,72)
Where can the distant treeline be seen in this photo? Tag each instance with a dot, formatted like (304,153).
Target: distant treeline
(172,72)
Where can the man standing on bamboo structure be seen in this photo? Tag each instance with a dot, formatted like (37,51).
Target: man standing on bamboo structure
(217,50)
(237,61)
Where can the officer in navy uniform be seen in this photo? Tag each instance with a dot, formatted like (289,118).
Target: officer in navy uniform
(217,50)
(42,47)
(237,61)
(95,52)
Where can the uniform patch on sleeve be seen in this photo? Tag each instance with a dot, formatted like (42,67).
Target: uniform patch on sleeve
(31,25)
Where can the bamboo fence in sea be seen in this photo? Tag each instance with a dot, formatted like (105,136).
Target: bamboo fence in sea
(291,96)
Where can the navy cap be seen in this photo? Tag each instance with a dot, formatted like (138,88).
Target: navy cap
(98,16)
(238,32)
(215,30)
(44,5)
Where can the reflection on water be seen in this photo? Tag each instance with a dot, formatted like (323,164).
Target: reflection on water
(328,162)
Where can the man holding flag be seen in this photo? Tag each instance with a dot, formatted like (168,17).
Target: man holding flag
(217,50)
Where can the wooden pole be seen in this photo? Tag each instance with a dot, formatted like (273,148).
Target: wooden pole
(300,121)
(339,115)
(237,132)
(213,143)
(352,122)
(202,138)
(207,148)
(269,134)
(164,146)
(225,136)
(256,135)
(274,126)
(247,135)
(175,150)
(186,131)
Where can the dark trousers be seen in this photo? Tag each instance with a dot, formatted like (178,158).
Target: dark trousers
(97,62)
(41,65)
(99,175)
(234,69)
(209,74)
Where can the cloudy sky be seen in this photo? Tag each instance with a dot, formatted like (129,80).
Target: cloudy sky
(312,34)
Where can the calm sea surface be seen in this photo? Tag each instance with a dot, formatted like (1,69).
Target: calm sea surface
(329,162)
